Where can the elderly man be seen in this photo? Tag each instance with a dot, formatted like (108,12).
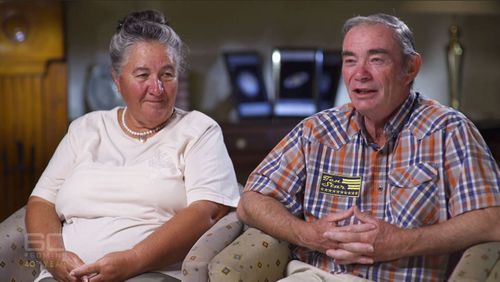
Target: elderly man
(382,188)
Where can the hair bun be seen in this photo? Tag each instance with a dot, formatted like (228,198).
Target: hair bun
(141,17)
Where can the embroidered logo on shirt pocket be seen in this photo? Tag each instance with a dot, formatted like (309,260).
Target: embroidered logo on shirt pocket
(414,195)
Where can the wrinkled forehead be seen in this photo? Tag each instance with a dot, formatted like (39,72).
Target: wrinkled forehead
(149,50)
(369,36)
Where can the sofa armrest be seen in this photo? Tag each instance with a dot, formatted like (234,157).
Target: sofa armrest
(16,264)
(195,265)
(254,256)
(479,263)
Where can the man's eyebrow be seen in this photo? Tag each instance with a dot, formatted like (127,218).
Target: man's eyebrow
(378,51)
(370,52)
(347,53)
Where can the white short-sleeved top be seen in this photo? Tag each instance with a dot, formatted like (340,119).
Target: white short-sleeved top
(111,191)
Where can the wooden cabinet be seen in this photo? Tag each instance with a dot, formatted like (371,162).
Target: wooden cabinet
(33,91)
(249,141)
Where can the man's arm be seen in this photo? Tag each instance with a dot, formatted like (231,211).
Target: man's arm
(391,242)
(270,216)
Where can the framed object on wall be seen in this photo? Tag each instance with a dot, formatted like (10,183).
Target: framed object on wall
(295,74)
(330,79)
(247,84)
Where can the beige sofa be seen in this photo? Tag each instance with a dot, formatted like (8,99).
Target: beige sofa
(225,254)
(18,265)
(255,256)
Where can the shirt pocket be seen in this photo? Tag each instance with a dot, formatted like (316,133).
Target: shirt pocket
(414,195)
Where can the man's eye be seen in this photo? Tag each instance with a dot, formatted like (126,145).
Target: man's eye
(349,61)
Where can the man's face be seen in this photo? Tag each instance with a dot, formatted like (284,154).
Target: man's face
(373,71)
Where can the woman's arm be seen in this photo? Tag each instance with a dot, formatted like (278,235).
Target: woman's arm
(44,237)
(173,240)
(167,245)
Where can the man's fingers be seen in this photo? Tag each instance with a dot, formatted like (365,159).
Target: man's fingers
(363,216)
(362,227)
(345,237)
(340,216)
(345,257)
(356,247)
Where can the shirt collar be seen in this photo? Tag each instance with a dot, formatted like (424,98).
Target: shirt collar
(394,125)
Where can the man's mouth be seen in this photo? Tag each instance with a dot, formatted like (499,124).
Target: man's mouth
(364,91)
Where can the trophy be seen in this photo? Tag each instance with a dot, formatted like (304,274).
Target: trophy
(455,60)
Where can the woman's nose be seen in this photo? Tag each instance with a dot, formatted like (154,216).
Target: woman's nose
(156,87)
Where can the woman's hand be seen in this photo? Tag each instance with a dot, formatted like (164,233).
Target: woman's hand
(116,266)
(61,263)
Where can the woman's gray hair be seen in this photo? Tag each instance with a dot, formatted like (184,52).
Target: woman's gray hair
(402,33)
(144,26)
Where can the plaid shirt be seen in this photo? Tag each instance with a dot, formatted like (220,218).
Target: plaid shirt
(434,165)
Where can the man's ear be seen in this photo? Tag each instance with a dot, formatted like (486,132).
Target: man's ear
(413,67)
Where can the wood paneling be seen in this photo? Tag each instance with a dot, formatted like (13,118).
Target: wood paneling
(33,91)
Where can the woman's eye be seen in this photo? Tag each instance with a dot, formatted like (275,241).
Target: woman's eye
(168,76)
(142,75)
(376,60)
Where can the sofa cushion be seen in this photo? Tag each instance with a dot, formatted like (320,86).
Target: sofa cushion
(16,264)
(195,265)
(254,256)
(479,263)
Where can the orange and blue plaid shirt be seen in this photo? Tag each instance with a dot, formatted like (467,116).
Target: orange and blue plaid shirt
(434,166)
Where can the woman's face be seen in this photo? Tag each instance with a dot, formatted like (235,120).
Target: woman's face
(148,83)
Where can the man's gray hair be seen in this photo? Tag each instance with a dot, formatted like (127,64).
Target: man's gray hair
(402,33)
(144,26)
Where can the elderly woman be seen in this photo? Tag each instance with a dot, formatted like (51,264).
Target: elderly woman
(130,190)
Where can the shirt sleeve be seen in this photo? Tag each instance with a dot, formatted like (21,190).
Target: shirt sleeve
(54,175)
(282,173)
(209,173)
(472,172)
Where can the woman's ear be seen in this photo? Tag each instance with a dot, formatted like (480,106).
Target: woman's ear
(116,79)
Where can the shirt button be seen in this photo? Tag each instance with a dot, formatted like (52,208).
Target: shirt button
(380,188)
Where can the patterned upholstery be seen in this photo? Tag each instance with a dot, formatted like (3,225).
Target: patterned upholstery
(194,267)
(250,258)
(479,263)
(16,264)
(254,257)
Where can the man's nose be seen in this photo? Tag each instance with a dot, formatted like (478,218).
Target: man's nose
(156,86)
(362,73)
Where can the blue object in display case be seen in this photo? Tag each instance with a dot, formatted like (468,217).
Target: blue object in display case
(247,84)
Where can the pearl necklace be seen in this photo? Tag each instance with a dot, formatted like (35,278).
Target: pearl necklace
(142,136)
